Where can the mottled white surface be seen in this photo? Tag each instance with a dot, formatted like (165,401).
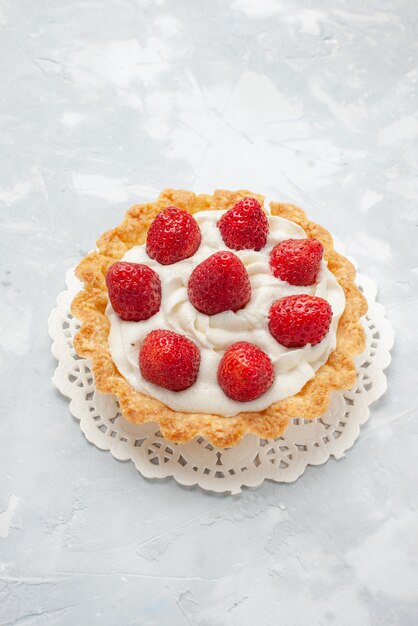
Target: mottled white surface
(103,104)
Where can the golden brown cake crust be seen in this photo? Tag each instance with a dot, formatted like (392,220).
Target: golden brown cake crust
(91,341)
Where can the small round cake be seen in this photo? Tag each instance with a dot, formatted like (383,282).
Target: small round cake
(215,316)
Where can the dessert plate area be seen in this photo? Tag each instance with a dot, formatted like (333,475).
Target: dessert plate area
(253,460)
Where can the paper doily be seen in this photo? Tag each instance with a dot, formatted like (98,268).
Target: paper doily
(198,462)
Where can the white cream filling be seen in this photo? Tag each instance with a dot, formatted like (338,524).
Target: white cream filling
(214,334)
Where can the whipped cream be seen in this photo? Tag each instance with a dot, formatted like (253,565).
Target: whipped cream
(214,334)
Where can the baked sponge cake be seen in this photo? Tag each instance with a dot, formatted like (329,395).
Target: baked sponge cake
(215,316)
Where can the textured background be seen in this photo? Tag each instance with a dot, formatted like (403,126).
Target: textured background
(103,104)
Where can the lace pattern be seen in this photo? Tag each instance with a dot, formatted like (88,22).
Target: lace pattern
(198,462)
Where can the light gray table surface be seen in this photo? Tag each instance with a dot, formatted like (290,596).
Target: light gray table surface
(103,104)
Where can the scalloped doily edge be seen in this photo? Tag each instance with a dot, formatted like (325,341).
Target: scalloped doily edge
(187,478)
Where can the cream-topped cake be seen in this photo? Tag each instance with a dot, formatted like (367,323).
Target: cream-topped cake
(214,316)
(214,334)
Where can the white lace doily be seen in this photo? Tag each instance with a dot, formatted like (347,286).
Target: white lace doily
(251,461)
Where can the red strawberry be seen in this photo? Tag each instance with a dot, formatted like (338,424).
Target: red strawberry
(169,360)
(174,235)
(295,321)
(134,290)
(245,372)
(219,283)
(244,226)
(297,261)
